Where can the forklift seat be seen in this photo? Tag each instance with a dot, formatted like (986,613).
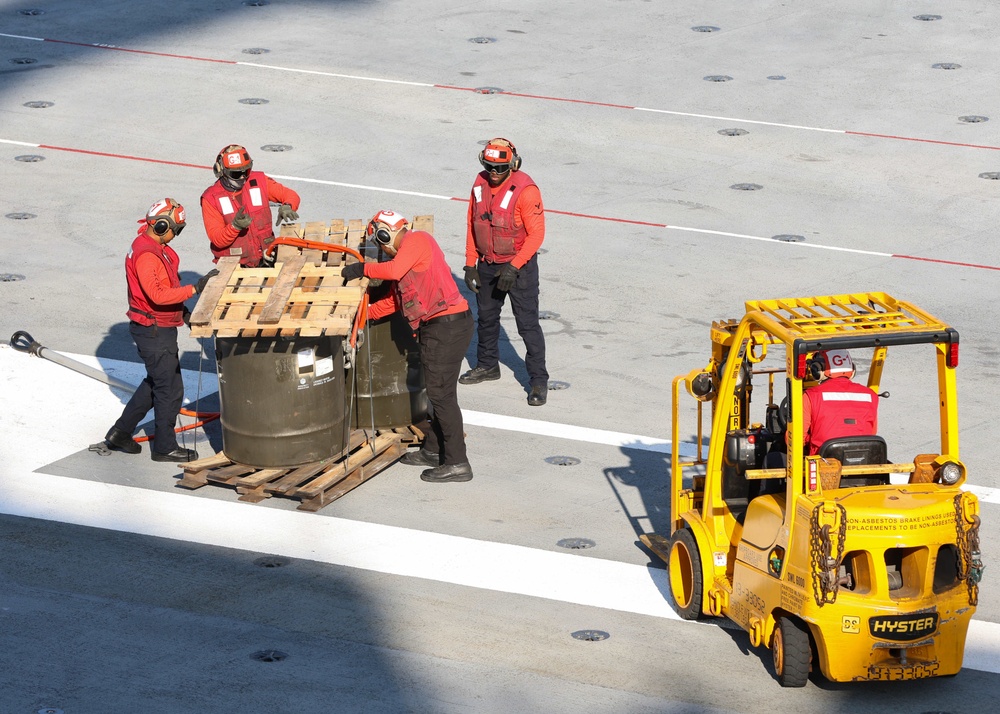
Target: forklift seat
(858,451)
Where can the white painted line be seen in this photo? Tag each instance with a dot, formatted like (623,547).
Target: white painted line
(800,244)
(361,186)
(367,546)
(23,37)
(18,143)
(744,121)
(334,74)
(574,433)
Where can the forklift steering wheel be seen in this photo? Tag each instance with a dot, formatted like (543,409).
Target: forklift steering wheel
(783,413)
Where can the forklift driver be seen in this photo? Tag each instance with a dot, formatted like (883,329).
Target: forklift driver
(837,406)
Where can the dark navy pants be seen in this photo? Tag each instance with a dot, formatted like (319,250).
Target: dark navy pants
(524,303)
(442,348)
(162,389)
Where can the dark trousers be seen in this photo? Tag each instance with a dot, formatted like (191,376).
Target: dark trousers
(162,389)
(524,303)
(442,349)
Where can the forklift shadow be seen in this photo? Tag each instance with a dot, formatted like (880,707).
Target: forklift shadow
(647,475)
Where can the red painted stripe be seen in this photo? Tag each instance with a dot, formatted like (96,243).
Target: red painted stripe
(138,52)
(122,156)
(948,262)
(563,99)
(924,141)
(587,215)
(539,96)
(605,218)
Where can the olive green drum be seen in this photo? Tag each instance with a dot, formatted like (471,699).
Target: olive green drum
(282,399)
(386,386)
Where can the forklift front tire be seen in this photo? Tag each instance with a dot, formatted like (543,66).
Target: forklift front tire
(686,579)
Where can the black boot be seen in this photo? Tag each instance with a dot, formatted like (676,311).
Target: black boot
(421,457)
(118,439)
(478,374)
(448,473)
(539,393)
(179,455)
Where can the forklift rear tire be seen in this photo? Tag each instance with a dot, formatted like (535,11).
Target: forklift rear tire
(792,652)
(684,569)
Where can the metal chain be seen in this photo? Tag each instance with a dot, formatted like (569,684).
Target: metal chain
(826,567)
(970,564)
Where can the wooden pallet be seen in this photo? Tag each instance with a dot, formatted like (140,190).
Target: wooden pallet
(316,484)
(303,294)
(292,298)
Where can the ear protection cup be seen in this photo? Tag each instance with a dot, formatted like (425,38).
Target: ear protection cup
(515,160)
(381,235)
(815,369)
(384,226)
(166,215)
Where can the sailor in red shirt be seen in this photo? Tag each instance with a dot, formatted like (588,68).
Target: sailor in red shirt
(236,209)
(425,291)
(155,310)
(506,226)
(837,406)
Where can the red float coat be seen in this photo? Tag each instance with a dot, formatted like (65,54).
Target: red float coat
(838,407)
(506,223)
(155,293)
(219,207)
(424,285)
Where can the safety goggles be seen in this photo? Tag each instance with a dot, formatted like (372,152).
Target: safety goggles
(496,168)
(178,227)
(238,175)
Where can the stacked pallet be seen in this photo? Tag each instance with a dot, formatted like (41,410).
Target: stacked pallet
(303,294)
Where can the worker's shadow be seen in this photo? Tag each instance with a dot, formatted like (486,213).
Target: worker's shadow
(508,355)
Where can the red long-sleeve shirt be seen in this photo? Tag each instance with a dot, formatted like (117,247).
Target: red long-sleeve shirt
(414,254)
(155,282)
(528,212)
(221,232)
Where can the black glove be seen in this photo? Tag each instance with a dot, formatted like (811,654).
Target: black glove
(242,220)
(472,280)
(506,277)
(353,271)
(186,316)
(203,281)
(286,213)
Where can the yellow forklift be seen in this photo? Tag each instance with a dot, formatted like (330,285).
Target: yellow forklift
(843,562)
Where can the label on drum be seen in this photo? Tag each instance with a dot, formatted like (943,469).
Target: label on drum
(324,366)
(305,358)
